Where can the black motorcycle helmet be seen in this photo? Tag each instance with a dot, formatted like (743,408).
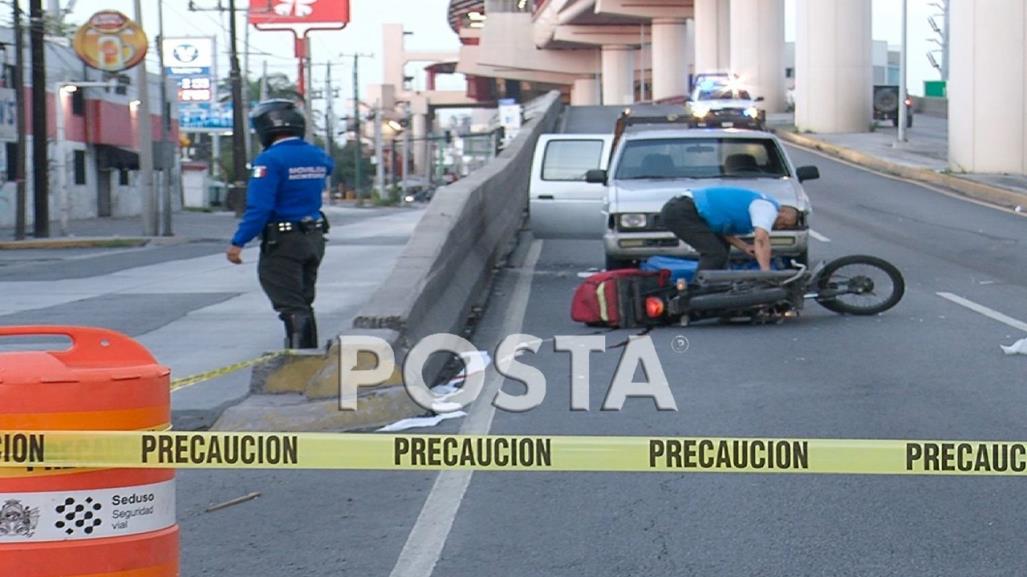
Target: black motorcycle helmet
(275,118)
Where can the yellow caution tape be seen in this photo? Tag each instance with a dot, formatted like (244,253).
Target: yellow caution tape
(509,453)
(208,375)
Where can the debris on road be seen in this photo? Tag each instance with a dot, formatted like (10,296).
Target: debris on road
(421,422)
(1017,348)
(232,502)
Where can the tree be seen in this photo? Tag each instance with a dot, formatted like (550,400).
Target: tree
(344,167)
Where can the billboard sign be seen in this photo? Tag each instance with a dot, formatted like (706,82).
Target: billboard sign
(191,62)
(205,117)
(189,56)
(299,14)
(110,41)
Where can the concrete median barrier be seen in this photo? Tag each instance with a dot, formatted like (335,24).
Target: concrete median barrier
(466,232)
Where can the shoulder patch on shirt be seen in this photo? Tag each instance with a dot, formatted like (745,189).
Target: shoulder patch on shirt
(259,171)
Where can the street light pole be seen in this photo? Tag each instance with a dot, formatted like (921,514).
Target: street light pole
(903,113)
(167,157)
(19,99)
(146,187)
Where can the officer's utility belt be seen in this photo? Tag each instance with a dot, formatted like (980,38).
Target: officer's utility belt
(285,226)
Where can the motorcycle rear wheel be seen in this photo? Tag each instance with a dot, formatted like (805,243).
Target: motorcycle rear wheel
(860,285)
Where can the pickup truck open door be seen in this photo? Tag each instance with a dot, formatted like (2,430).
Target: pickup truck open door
(561,204)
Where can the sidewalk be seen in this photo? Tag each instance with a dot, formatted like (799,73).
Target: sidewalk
(185,302)
(923,158)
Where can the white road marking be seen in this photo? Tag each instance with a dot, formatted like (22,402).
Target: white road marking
(428,537)
(816,235)
(981,309)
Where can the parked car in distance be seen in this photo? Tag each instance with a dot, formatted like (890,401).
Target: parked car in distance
(886,104)
(562,204)
(652,164)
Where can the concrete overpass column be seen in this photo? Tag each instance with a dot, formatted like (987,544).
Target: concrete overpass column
(987,100)
(712,35)
(671,58)
(419,123)
(585,92)
(757,48)
(618,66)
(833,65)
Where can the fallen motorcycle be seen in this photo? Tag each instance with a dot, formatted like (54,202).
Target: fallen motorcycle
(854,285)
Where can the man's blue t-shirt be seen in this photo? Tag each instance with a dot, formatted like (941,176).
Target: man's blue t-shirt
(727,209)
(286,183)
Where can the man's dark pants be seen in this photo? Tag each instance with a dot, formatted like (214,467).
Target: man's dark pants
(681,217)
(288,274)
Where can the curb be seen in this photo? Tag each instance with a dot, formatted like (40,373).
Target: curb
(995,195)
(62,243)
(300,392)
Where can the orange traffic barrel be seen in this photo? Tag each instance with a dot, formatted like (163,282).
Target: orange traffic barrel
(78,522)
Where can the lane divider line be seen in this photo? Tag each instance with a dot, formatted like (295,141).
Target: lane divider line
(458,456)
(817,236)
(983,310)
(428,537)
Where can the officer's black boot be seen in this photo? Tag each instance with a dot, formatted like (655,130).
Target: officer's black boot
(308,332)
(300,331)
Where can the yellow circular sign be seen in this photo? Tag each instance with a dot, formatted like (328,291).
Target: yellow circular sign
(111,42)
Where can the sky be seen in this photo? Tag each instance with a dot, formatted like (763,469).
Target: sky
(427,20)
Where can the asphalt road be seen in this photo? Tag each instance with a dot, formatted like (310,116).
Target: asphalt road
(927,369)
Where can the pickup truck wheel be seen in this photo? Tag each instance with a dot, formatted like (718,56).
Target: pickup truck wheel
(616,263)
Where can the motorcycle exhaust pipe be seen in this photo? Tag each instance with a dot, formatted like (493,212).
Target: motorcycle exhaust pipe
(728,301)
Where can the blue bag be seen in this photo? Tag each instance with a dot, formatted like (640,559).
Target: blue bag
(680,268)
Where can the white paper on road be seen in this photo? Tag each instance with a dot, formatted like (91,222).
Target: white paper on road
(1017,348)
(420,422)
(474,363)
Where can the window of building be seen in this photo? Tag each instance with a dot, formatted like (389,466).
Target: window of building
(123,177)
(80,167)
(78,103)
(11,150)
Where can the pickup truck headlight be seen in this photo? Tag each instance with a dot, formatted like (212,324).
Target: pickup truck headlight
(752,112)
(700,110)
(633,220)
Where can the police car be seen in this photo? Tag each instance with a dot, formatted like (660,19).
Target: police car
(715,104)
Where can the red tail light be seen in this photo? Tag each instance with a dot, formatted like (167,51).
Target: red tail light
(654,307)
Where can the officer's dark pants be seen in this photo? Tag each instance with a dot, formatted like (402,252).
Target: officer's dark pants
(680,216)
(288,274)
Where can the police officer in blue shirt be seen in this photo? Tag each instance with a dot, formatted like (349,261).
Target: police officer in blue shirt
(713,218)
(283,206)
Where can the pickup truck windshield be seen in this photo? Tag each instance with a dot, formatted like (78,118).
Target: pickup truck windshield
(722,94)
(700,158)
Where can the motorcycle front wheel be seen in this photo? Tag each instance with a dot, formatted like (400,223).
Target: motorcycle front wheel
(859,285)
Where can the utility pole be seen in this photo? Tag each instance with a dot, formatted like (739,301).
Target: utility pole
(358,154)
(19,99)
(263,82)
(40,158)
(238,120)
(167,156)
(146,187)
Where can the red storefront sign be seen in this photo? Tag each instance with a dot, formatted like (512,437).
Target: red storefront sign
(299,14)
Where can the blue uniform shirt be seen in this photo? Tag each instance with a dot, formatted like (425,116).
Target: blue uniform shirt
(285,185)
(727,209)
